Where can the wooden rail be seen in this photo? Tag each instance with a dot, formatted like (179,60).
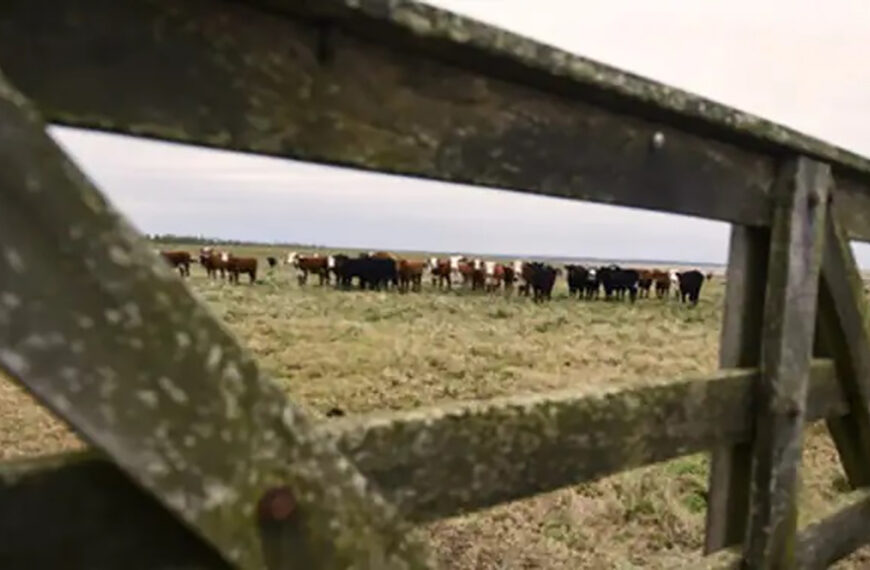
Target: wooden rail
(402,88)
(397,87)
(432,462)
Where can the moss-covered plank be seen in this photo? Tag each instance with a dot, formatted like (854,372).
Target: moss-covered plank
(80,512)
(261,82)
(398,87)
(441,461)
(740,346)
(97,327)
(796,241)
(429,457)
(462,39)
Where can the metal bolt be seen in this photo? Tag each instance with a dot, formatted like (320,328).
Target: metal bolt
(277,504)
(658,140)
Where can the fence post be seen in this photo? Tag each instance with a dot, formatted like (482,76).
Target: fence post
(797,235)
(740,347)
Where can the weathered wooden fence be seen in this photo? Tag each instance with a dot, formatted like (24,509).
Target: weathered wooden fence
(200,462)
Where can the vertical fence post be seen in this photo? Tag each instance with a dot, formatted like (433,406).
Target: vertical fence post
(797,235)
(740,346)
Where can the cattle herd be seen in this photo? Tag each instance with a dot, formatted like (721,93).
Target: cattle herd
(382,270)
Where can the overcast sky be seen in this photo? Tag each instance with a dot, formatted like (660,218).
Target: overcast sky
(798,62)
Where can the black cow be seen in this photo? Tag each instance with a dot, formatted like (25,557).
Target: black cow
(541,278)
(372,272)
(593,284)
(582,281)
(577,276)
(618,281)
(272,262)
(690,285)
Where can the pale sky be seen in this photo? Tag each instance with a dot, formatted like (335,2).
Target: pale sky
(798,62)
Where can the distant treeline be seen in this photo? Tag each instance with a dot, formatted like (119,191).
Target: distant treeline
(205,240)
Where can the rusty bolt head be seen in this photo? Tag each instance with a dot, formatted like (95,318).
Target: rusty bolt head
(277,504)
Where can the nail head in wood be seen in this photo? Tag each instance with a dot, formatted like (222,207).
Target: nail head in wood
(277,504)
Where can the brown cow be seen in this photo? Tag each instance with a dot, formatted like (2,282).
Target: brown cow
(509,279)
(310,264)
(410,273)
(494,273)
(644,282)
(663,283)
(236,265)
(179,260)
(440,271)
(525,273)
(214,262)
(473,272)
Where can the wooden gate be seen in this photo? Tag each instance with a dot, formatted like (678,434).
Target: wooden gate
(199,461)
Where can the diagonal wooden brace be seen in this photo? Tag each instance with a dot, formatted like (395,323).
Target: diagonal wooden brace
(843,334)
(97,327)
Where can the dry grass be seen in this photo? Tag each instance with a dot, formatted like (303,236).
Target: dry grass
(363,351)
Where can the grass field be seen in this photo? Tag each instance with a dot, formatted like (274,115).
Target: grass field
(365,351)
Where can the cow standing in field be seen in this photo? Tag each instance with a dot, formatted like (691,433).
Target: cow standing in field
(593,285)
(525,272)
(410,274)
(214,262)
(690,285)
(314,264)
(238,265)
(439,270)
(618,282)
(494,275)
(178,260)
(477,275)
(577,277)
(662,283)
(510,277)
(272,261)
(465,270)
(541,278)
(644,282)
(371,272)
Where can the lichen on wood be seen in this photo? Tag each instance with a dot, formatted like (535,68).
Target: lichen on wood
(796,245)
(444,460)
(194,423)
